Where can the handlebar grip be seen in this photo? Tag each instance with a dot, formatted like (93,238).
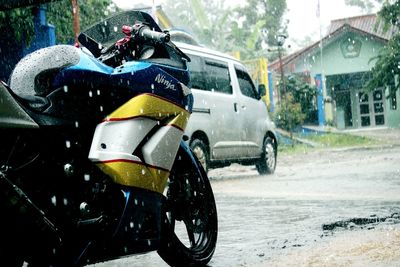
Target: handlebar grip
(147,34)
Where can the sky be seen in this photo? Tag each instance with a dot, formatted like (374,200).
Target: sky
(302,15)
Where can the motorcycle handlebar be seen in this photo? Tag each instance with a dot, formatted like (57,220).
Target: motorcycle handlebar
(146,33)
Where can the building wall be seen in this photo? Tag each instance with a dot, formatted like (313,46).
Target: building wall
(334,62)
(393,115)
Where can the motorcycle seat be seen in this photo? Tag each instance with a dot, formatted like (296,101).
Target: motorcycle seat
(31,79)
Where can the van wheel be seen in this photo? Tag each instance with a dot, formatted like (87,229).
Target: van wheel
(267,161)
(199,149)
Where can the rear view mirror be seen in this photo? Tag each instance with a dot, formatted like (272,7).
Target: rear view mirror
(261,89)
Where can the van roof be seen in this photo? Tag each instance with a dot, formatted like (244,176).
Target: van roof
(205,50)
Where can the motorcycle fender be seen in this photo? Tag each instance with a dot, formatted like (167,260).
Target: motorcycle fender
(11,113)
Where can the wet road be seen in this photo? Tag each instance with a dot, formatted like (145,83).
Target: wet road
(278,219)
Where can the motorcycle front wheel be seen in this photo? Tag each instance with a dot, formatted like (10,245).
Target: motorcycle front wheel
(189,230)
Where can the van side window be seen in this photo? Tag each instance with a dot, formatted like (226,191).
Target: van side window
(245,83)
(217,76)
(197,76)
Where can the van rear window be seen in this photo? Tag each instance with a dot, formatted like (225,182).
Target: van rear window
(196,69)
(217,76)
(209,75)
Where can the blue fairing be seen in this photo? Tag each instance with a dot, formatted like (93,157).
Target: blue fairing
(135,76)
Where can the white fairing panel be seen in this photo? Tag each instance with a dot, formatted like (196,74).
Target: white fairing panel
(118,139)
(162,147)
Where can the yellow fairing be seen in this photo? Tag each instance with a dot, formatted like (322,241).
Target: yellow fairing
(153,107)
(136,174)
(147,175)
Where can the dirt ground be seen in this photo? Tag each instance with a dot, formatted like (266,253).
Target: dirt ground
(375,247)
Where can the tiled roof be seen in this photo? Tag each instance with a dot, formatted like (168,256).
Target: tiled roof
(367,23)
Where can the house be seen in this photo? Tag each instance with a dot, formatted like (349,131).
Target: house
(340,65)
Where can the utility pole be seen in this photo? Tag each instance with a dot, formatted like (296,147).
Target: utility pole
(75,15)
(281,40)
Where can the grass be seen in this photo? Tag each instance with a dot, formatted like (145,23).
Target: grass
(326,140)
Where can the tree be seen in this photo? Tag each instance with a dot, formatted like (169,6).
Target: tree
(230,29)
(289,115)
(59,14)
(305,94)
(262,22)
(207,20)
(387,68)
(367,6)
(19,21)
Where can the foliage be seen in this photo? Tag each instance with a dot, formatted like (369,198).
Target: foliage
(327,140)
(289,115)
(305,94)
(18,22)
(366,5)
(387,65)
(226,29)
(262,22)
(206,20)
(59,13)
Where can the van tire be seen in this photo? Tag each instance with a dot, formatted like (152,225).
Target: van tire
(267,161)
(200,151)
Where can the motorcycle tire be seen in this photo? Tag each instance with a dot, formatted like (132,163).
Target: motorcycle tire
(189,230)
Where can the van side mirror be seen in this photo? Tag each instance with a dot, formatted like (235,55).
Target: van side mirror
(261,89)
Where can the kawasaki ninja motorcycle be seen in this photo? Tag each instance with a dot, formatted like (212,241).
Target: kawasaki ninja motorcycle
(93,165)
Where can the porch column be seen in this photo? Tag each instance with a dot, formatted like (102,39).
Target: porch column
(320,99)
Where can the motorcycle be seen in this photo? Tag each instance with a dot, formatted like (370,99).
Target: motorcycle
(94,163)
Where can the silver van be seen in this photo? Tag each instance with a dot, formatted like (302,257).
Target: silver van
(230,122)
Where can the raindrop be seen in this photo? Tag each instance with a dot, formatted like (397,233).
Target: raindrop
(76,124)
(68,144)
(143,171)
(131,224)
(86,177)
(149,242)
(65,88)
(115,28)
(98,92)
(90,94)
(136,201)
(101,108)
(54,200)
(141,111)
(65,201)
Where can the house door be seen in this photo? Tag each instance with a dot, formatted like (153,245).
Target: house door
(371,108)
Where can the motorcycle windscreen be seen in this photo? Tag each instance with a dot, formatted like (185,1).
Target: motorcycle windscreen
(108,31)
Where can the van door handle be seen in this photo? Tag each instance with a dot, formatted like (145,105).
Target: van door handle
(235,107)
